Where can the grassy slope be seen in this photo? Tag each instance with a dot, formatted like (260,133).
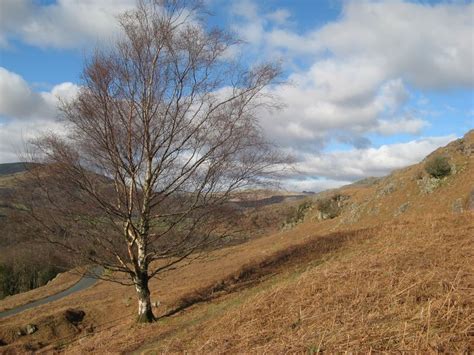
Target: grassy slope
(8,184)
(402,289)
(406,283)
(408,287)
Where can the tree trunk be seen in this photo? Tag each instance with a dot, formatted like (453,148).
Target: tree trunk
(145,313)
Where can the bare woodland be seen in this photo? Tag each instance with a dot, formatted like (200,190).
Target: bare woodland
(163,132)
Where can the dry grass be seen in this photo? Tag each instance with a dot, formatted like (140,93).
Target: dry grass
(281,260)
(410,289)
(400,286)
(110,308)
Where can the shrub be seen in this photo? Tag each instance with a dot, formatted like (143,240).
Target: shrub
(329,208)
(438,167)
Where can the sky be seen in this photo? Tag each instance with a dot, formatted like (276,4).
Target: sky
(370,86)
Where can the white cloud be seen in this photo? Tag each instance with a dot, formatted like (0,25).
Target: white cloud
(19,101)
(361,66)
(14,135)
(279,16)
(356,164)
(318,172)
(316,109)
(25,113)
(430,46)
(65,24)
(401,125)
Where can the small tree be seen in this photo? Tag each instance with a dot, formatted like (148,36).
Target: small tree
(438,167)
(163,131)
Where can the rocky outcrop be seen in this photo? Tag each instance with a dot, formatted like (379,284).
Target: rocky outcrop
(386,189)
(428,184)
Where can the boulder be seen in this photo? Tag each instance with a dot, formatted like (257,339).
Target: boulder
(30,329)
(74,316)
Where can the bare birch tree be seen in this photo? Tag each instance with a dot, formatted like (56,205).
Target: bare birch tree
(163,131)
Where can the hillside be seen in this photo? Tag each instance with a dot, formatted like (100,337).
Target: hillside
(384,265)
(27,262)
(410,191)
(12,168)
(24,263)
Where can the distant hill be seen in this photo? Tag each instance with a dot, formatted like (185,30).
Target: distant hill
(13,168)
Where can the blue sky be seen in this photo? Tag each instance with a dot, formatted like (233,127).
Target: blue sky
(372,85)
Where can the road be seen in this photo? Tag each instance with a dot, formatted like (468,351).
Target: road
(82,284)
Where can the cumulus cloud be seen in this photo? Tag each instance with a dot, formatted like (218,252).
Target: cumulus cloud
(317,172)
(19,101)
(316,110)
(361,67)
(356,164)
(24,112)
(406,124)
(426,45)
(63,24)
(14,134)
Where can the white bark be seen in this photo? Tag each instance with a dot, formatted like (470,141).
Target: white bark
(145,313)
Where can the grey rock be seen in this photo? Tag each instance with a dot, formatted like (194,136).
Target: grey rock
(470,201)
(386,190)
(428,184)
(404,207)
(30,329)
(457,206)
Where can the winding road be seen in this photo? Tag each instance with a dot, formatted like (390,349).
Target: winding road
(85,282)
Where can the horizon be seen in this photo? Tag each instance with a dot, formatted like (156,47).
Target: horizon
(375,85)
